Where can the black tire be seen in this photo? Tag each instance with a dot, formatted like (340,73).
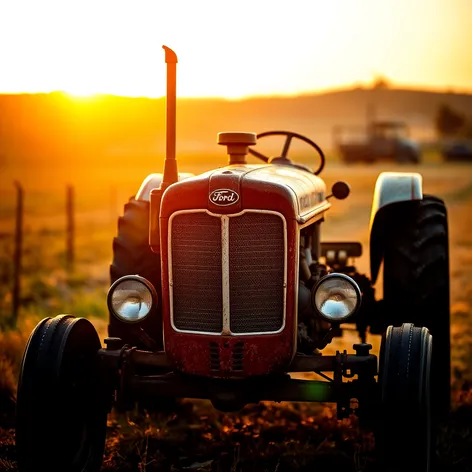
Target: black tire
(404,435)
(133,256)
(416,283)
(407,156)
(61,410)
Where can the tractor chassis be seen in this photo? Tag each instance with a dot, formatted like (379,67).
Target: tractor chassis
(134,375)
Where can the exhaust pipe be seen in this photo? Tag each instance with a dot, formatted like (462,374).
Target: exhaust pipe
(170,165)
(170,174)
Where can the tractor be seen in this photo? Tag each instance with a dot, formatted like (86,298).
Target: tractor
(222,286)
(381,141)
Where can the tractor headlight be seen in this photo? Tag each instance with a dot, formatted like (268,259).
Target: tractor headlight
(131,298)
(336,297)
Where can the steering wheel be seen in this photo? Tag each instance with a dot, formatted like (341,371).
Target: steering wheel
(283,158)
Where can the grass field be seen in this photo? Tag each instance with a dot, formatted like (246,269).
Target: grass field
(265,437)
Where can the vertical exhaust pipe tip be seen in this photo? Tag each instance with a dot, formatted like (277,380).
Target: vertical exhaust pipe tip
(171,57)
(170,174)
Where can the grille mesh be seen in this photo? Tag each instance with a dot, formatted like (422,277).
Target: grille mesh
(256,272)
(256,262)
(196,272)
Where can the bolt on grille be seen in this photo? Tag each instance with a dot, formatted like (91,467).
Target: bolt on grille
(227,272)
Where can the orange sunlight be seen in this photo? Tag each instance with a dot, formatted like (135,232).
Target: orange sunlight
(232,49)
(80,93)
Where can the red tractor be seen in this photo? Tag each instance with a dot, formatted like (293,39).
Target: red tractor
(222,287)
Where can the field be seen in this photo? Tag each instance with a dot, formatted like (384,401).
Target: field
(265,437)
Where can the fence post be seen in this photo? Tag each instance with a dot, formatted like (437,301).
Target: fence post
(17,254)
(70,231)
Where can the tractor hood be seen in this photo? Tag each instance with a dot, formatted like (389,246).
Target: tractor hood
(296,193)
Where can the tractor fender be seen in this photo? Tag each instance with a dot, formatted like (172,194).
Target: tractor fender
(154,181)
(391,188)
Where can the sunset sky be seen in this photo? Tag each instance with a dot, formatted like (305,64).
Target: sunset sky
(232,48)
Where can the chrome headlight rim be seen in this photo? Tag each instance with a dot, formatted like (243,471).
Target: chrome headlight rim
(346,278)
(136,278)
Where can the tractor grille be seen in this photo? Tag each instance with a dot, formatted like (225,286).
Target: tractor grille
(237,358)
(227,264)
(256,271)
(214,356)
(196,272)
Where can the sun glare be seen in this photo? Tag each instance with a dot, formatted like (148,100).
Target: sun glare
(80,93)
(80,87)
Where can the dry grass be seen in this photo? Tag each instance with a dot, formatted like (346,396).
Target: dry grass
(266,436)
(263,437)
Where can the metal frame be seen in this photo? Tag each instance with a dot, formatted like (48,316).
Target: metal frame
(225,272)
(130,385)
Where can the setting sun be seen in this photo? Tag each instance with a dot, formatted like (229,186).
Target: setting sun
(80,93)
(232,49)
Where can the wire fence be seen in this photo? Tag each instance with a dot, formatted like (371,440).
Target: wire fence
(80,227)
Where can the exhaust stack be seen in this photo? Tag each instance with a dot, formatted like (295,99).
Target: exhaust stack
(170,175)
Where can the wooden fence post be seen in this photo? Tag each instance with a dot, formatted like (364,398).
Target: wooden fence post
(17,255)
(70,231)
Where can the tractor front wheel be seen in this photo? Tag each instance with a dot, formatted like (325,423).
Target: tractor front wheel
(61,408)
(404,431)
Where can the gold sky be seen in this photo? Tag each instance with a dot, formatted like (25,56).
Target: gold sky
(233,48)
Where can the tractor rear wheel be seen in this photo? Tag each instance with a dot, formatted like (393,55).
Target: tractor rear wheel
(133,256)
(61,411)
(403,437)
(416,283)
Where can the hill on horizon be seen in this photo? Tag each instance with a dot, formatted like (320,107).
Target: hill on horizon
(67,130)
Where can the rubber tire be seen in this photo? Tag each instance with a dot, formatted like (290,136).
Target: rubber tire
(132,255)
(416,283)
(60,399)
(404,434)
(407,156)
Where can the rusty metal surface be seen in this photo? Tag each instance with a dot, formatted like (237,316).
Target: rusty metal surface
(298,197)
(262,354)
(300,193)
(230,356)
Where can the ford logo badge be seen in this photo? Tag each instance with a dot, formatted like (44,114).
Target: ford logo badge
(223,197)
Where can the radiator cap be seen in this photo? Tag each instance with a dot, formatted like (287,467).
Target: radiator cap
(237,143)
